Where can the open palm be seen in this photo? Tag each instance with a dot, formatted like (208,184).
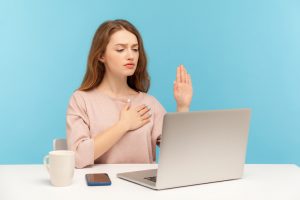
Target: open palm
(183,89)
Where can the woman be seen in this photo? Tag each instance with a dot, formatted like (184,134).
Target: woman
(111,118)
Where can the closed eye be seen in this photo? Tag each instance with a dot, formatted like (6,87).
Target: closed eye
(120,50)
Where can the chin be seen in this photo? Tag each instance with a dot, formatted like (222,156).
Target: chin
(129,74)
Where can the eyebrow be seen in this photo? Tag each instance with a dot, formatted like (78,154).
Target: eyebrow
(126,45)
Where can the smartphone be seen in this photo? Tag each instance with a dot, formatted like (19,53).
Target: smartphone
(100,179)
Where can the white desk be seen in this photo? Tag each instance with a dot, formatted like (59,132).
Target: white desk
(267,182)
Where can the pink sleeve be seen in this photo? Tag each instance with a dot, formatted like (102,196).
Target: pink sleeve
(158,113)
(78,132)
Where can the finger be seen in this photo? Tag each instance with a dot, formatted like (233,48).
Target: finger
(181,74)
(178,74)
(186,78)
(146,121)
(190,79)
(144,111)
(146,116)
(127,106)
(140,107)
(128,103)
(175,86)
(184,68)
(186,75)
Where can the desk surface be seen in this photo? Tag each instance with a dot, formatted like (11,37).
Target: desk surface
(272,182)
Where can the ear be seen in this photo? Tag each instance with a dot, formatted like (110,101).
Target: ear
(101,58)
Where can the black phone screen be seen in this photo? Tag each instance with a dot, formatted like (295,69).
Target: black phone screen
(98,179)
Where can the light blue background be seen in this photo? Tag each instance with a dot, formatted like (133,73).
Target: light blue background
(240,54)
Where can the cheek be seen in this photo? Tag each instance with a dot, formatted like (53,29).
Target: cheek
(112,56)
(137,57)
(113,59)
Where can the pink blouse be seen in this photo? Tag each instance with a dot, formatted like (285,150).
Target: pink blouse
(90,113)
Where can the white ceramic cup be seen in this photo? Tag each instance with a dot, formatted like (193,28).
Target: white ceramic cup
(60,165)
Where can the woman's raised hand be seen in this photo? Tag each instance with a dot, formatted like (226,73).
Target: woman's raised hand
(183,89)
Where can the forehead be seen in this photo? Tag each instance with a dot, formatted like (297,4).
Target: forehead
(123,37)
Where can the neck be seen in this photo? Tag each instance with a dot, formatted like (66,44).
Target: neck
(115,86)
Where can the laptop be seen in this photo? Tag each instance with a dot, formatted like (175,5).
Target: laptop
(196,148)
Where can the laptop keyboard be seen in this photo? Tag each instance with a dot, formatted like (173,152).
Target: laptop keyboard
(151,178)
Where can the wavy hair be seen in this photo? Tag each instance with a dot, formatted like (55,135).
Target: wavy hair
(139,81)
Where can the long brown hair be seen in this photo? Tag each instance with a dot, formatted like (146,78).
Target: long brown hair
(139,81)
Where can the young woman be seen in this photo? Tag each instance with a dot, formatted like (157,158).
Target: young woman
(111,118)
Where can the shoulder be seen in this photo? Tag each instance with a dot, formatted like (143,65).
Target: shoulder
(80,98)
(151,98)
(81,94)
(148,98)
(85,96)
(153,102)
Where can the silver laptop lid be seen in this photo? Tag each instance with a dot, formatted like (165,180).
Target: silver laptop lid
(202,147)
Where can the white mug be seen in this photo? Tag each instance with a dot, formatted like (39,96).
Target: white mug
(60,165)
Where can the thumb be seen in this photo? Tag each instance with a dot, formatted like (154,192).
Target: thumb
(128,104)
(175,85)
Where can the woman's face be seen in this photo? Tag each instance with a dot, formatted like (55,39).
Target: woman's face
(121,54)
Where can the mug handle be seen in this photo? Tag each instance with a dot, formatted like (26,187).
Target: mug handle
(46,162)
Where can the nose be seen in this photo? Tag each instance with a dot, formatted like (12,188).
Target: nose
(130,54)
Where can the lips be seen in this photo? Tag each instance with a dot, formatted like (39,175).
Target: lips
(129,65)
